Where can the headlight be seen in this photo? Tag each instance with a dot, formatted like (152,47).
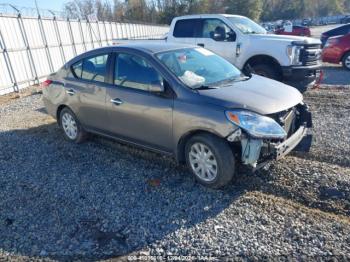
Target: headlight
(256,125)
(293,52)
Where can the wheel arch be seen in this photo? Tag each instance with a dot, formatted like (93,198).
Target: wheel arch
(58,112)
(347,52)
(181,144)
(263,59)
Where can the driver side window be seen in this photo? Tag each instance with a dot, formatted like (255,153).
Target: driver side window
(217,30)
(135,72)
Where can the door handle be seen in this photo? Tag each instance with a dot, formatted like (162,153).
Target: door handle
(70,92)
(202,45)
(116,101)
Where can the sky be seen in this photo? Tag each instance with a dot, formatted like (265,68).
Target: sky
(42,4)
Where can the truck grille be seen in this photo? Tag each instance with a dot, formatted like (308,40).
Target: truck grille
(310,55)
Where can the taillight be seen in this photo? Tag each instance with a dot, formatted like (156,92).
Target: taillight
(46,83)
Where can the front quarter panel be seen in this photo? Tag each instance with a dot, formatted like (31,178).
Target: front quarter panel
(192,116)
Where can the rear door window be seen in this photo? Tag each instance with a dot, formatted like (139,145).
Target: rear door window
(91,68)
(94,68)
(77,69)
(186,28)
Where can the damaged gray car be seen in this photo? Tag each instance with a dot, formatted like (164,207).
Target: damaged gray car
(182,101)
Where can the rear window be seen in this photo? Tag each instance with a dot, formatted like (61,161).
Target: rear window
(343,30)
(185,28)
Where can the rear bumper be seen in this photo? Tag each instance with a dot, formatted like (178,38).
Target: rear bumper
(301,77)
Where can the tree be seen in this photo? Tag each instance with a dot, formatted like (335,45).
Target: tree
(249,8)
(163,11)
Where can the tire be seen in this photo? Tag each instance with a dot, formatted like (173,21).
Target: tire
(68,123)
(346,61)
(266,70)
(222,155)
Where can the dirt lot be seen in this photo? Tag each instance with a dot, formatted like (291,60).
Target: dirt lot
(101,199)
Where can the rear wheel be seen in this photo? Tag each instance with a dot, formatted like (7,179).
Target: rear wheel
(346,61)
(266,70)
(71,127)
(210,160)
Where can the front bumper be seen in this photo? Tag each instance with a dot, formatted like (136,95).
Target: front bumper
(257,152)
(301,77)
(300,137)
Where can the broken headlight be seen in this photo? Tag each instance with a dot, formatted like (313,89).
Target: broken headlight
(256,125)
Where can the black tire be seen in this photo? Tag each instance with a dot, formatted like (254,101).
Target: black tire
(81,134)
(223,155)
(344,61)
(266,70)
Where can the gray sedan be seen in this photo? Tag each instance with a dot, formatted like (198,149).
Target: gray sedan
(182,101)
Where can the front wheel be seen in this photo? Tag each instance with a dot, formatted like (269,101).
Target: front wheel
(210,160)
(71,127)
(266,70)
(346,61)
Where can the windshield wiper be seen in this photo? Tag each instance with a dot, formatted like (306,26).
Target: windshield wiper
(203,87)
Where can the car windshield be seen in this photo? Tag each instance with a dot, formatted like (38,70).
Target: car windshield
(247,26)
(198,67)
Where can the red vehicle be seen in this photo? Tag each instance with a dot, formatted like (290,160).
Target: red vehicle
(337,50)
(295,30)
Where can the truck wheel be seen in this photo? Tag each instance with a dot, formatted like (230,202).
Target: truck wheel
(210,160)
(266,70)
(346,61)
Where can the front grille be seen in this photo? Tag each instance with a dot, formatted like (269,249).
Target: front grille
(310,55)
(286,119)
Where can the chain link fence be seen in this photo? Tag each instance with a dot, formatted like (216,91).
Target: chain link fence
(33,47)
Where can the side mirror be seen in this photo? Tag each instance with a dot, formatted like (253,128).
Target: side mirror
(156,87)
(218,37)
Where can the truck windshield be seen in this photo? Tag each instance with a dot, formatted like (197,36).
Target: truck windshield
(199,68)
(247,26)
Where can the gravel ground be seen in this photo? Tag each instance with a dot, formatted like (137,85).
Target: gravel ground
(101,199)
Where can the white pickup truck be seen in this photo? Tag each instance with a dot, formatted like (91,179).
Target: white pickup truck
(290,59)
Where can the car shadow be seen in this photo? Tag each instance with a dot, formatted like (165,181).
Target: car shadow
(94,200)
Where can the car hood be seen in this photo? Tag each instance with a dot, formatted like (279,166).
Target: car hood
(258,94)
(286,38)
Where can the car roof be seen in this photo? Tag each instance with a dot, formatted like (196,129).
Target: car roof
(197,16)
(149,48)
(154,48)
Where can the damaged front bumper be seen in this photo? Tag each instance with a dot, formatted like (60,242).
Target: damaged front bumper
(257,152)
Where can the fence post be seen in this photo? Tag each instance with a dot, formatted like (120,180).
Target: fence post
(71,37)
(98,32)
(55,25)
(43,37)
(82,34)
(90,32)
(105,30)
(8,63)
(27,46)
